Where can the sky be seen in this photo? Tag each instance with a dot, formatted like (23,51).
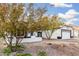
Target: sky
(68,12)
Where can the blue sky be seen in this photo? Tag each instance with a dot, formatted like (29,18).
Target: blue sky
(69,12)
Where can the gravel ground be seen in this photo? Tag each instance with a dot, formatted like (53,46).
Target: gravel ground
(57,47)
(68,47)
(2,46)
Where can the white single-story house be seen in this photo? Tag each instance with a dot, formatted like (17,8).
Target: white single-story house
(64,32)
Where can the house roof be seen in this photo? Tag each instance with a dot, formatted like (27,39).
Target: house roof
(76,27)
(73,26)
(70,25)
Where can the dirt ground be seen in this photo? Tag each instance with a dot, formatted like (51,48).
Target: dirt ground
(54,47)
(68,47)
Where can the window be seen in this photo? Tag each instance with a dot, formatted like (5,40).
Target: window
(39,34)
(31,33)
(27,35)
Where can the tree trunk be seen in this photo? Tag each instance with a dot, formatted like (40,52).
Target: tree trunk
(5,41)
(10,43)
(17,42)
(49,34)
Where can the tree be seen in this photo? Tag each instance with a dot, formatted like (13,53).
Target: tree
(34,16)
(50,25)
(13,22)
(10,20)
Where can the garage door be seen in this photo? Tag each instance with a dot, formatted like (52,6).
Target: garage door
(65,34)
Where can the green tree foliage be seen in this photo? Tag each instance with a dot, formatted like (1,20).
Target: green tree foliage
(13,22)
(49,25)
(9,16)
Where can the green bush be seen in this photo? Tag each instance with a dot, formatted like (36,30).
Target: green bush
(7,51)
(42,53)
(17,48)
(20,46)
(20,54)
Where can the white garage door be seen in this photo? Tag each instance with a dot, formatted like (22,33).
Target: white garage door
(65,34)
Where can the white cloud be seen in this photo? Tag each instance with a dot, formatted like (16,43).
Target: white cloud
(69,14)
(72,11)
(61,5)
(71,21)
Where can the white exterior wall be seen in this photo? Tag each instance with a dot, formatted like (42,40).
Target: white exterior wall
(76,33)
(57,33)
(35,34)
(54,35)
(32,39)
(69,28)
(72,32)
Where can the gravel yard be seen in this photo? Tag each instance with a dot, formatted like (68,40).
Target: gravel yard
(54,47)
(51,47)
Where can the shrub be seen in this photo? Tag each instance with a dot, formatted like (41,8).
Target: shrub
(20,54)
(7,51)
(42,53)
(49,43)
(17,48)
(20,47)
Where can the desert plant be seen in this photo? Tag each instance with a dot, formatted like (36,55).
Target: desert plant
(21,54)
(49,43)
(7,51)
(17,48)
(42,53)
(20,47)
